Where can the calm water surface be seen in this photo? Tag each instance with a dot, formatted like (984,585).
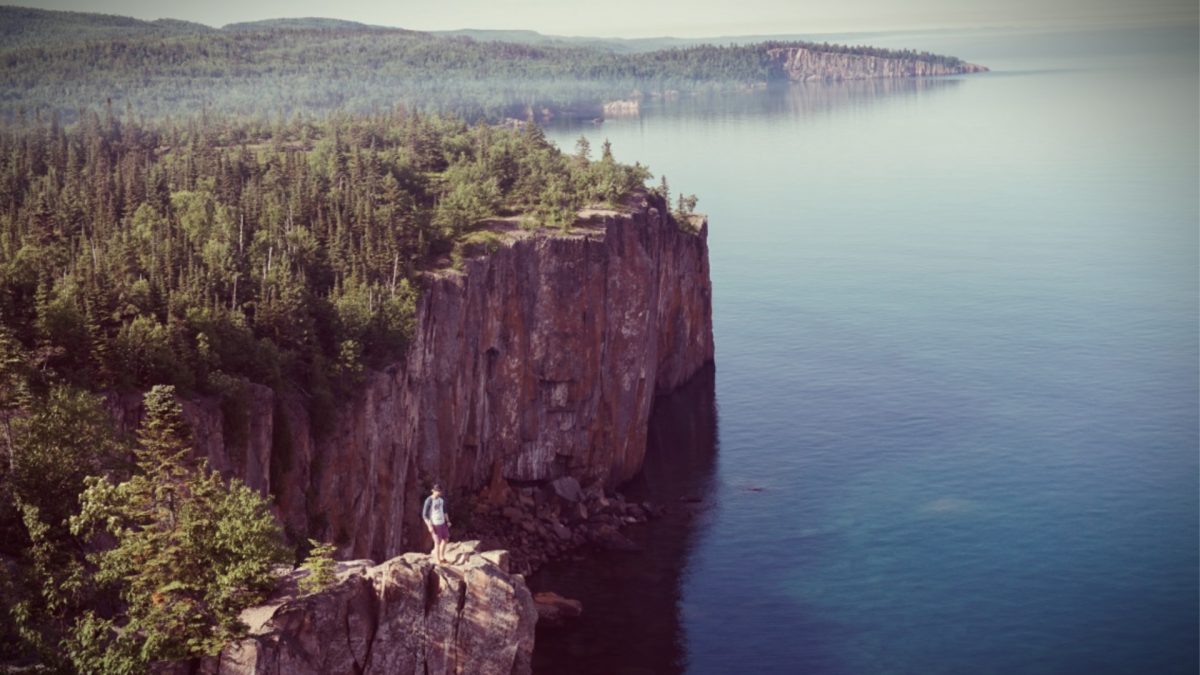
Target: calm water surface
(955,423)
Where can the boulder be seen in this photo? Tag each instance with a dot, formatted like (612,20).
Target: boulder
(567,489)
(610,538)
(553,609)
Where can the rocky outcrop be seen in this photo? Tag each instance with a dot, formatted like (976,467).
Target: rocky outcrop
(406,615)
(802,64)
(538,360)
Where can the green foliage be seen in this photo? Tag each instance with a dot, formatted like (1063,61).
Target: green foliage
(65,436)
(322,568)
(215,250)
(14,391)
(56,586)
(684,209)
(191,551)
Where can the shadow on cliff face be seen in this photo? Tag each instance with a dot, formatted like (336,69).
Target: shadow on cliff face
(631,621)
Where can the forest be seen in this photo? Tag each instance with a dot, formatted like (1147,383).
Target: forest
(62,62)
(188,258)
(134,254)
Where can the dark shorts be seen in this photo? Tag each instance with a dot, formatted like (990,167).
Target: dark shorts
(442,531)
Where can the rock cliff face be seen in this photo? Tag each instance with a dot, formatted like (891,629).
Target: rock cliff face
(403,616)
(538,360)
(800,64)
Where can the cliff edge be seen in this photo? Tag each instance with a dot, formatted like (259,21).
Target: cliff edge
(538,360)
(802,64)
(403,616)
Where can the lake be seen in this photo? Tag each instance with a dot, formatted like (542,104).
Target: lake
(953,422)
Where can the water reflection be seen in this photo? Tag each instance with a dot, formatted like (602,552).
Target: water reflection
(805,99)
(631,621)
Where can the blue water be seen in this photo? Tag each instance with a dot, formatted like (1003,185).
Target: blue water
(957,371)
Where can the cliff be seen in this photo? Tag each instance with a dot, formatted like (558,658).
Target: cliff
(538,360)
(800,64)
(403,616)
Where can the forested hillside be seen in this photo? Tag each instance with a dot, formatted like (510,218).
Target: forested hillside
(136,254)
(160,68)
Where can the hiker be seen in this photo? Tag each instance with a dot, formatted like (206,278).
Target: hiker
(434,515)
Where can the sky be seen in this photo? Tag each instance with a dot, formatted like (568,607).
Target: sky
(677,18)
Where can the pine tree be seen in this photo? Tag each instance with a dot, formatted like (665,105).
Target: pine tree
(322,568)
(191,552)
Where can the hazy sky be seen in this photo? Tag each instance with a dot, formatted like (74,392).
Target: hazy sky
(681,18)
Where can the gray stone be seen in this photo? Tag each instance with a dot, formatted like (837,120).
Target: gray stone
(567,488)
(500,559)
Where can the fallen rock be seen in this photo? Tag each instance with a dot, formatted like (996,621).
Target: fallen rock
(578,513)
(553,609)
(610,538)
(567,489)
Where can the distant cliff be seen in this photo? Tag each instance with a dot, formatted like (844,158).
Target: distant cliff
(806,63)
(538,360)
(65,62)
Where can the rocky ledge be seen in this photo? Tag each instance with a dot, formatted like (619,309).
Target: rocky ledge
(406,615)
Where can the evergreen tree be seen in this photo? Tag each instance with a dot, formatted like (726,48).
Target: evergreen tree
(191,552)
(322,568)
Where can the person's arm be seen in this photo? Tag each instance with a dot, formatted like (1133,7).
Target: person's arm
(425,512)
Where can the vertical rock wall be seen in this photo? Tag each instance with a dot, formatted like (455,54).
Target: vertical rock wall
(800,64)
(537,360)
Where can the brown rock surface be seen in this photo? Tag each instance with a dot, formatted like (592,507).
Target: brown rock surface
(554,609)
(537,361)
(403,616)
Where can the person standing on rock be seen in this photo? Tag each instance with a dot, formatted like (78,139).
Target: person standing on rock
(434,515)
